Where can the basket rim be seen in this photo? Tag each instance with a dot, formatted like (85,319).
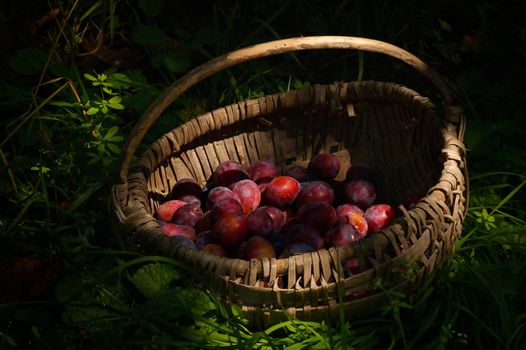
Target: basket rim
(274,48)
(138,169)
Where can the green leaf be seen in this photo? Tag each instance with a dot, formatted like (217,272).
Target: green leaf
(111,132)
(106,89)
(119,81)
(195,300)
(151,8)
(148,35)
(67,288)
(116,106)
(114,148)
(28,61)
(90,77)
(92,111)
(114,103)
(154,279)
(445,26)
(8,339)
(116,139)
(63,104)
(85,313)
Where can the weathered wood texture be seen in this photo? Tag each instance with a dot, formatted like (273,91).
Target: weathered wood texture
(411,145)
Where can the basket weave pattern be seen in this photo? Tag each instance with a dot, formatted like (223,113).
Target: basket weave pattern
(391,128)
(407,142)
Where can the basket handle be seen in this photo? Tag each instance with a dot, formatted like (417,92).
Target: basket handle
(270,48)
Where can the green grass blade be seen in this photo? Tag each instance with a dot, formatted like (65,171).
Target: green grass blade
(508,197)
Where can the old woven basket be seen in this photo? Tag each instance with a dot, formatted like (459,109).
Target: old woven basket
(410,144)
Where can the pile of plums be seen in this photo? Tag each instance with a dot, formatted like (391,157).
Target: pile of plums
(263,211)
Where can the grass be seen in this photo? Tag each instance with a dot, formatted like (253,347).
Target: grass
(68,110)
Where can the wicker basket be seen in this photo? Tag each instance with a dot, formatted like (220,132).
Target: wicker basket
(411,145)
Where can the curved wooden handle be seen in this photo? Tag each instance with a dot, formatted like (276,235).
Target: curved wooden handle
(271,48)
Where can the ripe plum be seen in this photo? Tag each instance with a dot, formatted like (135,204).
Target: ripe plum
(166,211)
(379,216)
(320,215)
(215,249)
(360,193)
(226,206)
(325,166)
(341,236)
(187,215)
(298,172)
(262,171)
(258,247)
(186,187)
(281,191)
(229,172)
(169,229)
(219,193)
(315,191)
(230,230)
(248,193)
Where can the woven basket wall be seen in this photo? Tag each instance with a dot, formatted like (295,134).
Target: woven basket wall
(412,147)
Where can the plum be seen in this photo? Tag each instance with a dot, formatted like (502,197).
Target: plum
(169,229)
(315,191)
(230,230)
(360,193)
(344,209)
(298,172)
(205,222)
(219,193)
(260,223)
(166,210)
(190,199)
(278,242)
(290,213)
(263,171)
(352,266)
(186,187)
(204,238)
(379,216)
(341,235)
(258,247)
(265,221)
(215,249)
(262,186)
(320,215)
(278,216)
(239,251)
(248,193)
(229,172)
(355,219)
(303,233)
(298,248)
(184,241)
(281,192)
(188,215)
(226,206)
(325,166)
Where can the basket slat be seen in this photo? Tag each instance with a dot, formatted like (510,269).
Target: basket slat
(391,128)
